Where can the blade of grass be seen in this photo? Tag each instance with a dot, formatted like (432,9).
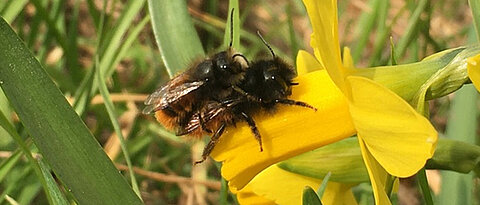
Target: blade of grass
(71,55)
(422,181)
(4,108)
(28,191)
(59,36)
(382,37)
(175,35)
(215,25)
(113,39)
(310,197)
(9,163)
(113,119)
(93,12)
(12,9)
(127,43)
(110,55)
(475,7)
(212,9)
(16,180)
(63,139)
(410,31)
(53,194)
(232,4)
(294,47)
(364,28)
(223,192)
(323,186)
(461,125)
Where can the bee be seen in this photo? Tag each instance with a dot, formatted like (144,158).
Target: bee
(266,83)
(180,98)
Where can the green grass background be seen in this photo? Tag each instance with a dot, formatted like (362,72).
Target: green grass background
(105,59)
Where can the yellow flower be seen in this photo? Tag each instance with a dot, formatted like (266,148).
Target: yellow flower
(277,186)
(473,68)
(393,137)
(292,131)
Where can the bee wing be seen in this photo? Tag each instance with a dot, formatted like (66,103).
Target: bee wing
(168,94)
(211,110)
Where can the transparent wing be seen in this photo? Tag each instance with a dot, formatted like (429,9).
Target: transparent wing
(168,94)
(210,111)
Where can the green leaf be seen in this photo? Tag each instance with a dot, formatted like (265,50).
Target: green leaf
(366,22)
(233,4)
(345,167)
(423,183)
(9,163)
(294,47)
(392,52)
(110,50)
(175,35)
(54,192)
(323,186)
(61,137)
(462,126)
(12,9)
(310,197)
(116,125)
(475,7)
(410,31)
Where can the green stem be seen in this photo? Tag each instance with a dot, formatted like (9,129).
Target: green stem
(422,181)
(389,185)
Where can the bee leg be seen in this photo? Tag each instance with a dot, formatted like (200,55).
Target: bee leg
(253,127)
(202,124)
(248,96)
(211,144)
(241,56)
(293,102)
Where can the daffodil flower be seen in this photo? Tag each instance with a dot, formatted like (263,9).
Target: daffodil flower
(291,132)
(473,68)
(393,137)
(277,186)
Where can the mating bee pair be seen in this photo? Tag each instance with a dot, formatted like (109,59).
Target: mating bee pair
(222,90)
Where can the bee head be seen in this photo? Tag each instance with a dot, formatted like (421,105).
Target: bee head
(227,68)
(269,79)
(277,77)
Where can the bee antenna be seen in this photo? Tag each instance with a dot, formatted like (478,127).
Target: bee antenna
(265,42)
(231,27)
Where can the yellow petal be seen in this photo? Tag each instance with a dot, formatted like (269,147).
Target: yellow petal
(285,187)
(347,59)
(399,138)
(306,63)
(324,41)
(290,131)
(378,175)
(281,186)
(473,69)
(247,196)
(338,194)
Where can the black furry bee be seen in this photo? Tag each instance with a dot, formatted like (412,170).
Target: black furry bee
(179,99)
(266,83)
(220,91)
